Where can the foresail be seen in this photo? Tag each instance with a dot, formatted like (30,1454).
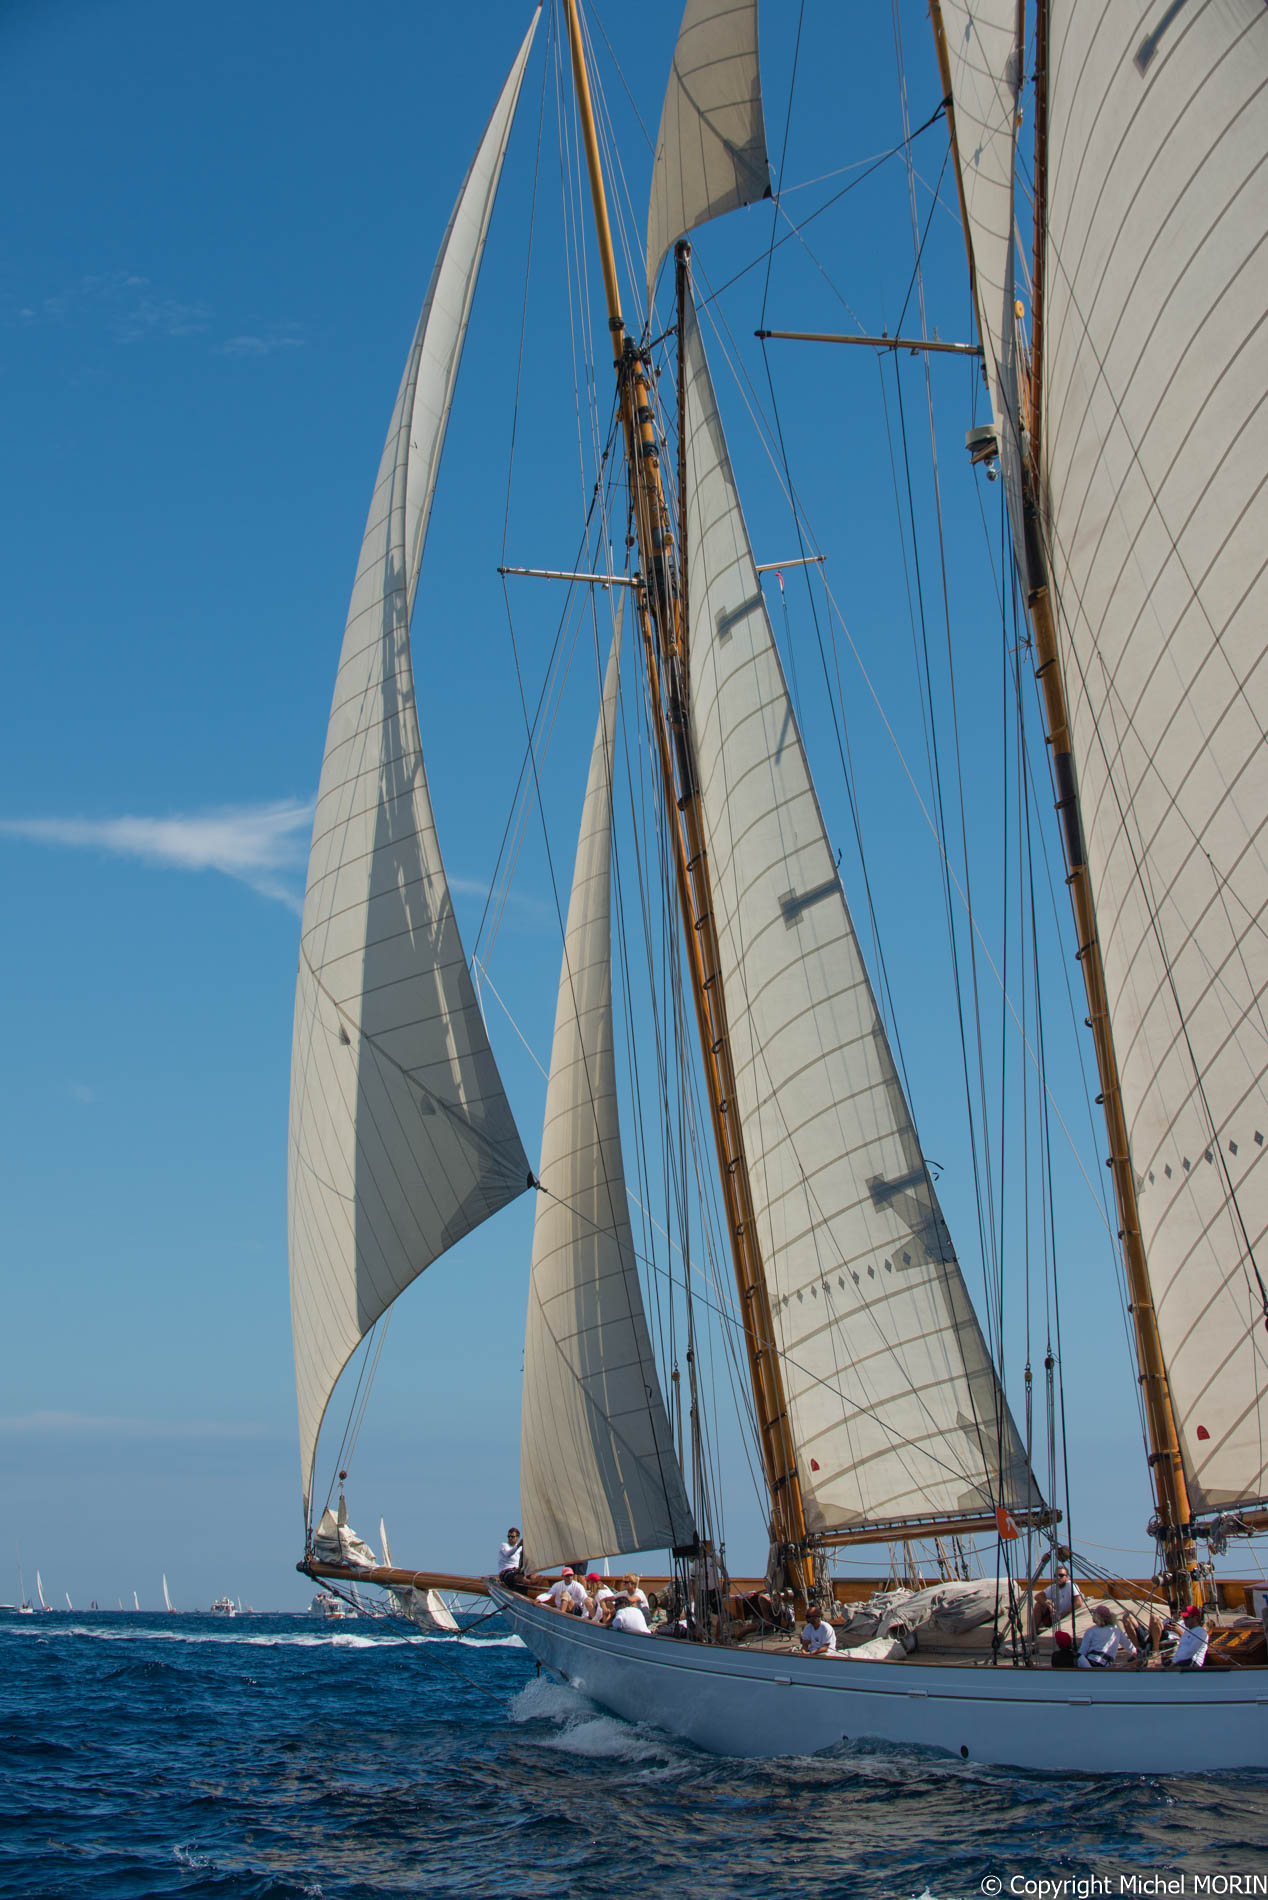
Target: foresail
(1156,465)
(401,1137)
(711,148)
(895,1406)
(983,58)
(598,1472)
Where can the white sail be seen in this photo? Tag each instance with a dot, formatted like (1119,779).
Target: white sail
(711,148)
(401,1137)
(39,1591)
(167,1601)
(1156,460)
(984,70)
(598,1473)
(895,1407)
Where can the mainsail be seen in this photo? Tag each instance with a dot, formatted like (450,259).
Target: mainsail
(1155,461)
(711,148)
(598,1472)
(401,1137)
(896,1409)
(979,45)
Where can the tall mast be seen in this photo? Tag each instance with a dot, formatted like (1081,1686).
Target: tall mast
(1172,1521)
(662,623)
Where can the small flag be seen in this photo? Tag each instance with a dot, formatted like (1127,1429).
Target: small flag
(1005,1525)
(1202,1432)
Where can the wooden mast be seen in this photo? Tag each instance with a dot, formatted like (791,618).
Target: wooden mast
(1171,1524)
(662,624)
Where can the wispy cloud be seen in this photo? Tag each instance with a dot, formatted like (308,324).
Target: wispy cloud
(283,338)
(82,1424)
(263,845)
(133,308)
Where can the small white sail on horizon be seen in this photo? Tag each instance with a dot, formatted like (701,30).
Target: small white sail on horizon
(167,1601)
(598,1471)
(401,1137)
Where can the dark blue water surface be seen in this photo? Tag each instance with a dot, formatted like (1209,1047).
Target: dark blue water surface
(266,1757)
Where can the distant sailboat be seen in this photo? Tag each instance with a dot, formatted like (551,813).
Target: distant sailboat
(39,1591)
(69,1604)
(24,1608)
(135,1604)
(167,1601)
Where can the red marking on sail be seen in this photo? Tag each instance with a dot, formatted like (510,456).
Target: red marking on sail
(814,1464)
(1202,1432)
(1005,1525)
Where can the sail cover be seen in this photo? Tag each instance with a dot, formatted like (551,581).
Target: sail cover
(401,1138)
(895,1406)
(984,72)
(711,148)
(598,1472)
(1156,460)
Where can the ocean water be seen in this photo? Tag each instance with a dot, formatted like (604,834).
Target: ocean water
(269,1757)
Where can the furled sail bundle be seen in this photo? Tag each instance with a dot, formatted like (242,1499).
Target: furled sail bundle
(1155,465)
(711,147)
(401,1137)
(896,1409)
(598,1471)
(978,43)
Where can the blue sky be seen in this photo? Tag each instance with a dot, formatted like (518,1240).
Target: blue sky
(218,237)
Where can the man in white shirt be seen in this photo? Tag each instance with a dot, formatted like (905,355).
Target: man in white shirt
(818,1638)
(1104,1643)
(511,1557)
(1194,1642)
(628,1617)
(1056,1604)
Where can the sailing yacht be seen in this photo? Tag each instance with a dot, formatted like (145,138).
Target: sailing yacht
(1122,422)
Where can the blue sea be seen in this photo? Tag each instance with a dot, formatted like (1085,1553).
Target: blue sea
(275,1756)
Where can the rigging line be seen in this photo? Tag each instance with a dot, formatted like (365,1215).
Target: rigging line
(924,239)
(828,203)
(1078,1040)
(727,1319)
(783,154)
(985,1234)
(957,751)
(841,733)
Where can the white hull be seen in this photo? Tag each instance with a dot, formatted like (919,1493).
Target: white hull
(738,1702)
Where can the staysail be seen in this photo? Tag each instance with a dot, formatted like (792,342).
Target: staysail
(896,1410)
(711,147)
(598,1471)
(401,1137)
(979,44)
(1155,464)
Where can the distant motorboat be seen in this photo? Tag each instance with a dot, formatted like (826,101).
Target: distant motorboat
(224,1606)
(327,1604)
